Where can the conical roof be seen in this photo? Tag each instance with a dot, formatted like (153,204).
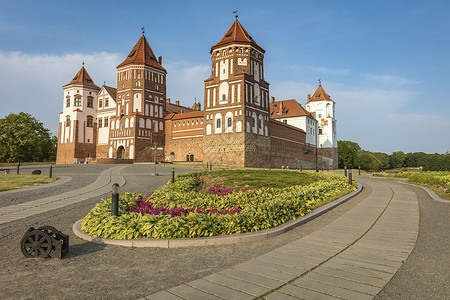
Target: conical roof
(82,78)
(319,95)
(237,34)
(142,54)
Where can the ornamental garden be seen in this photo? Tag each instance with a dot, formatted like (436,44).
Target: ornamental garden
(214,203)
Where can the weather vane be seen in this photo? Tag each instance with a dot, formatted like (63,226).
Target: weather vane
(143,31)
(235,13)
(320,82)
(83,63)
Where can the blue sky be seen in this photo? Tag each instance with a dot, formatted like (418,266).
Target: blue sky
(385,63)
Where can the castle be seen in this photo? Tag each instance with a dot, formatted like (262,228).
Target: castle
(239,125)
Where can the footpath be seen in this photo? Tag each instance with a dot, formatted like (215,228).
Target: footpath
(99,187)
(353,257)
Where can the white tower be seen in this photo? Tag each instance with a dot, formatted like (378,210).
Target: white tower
(323,108)
(77,122)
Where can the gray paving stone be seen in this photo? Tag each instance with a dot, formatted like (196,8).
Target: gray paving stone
(277,267)
(272,257)
(370,266)
(279,296)
(252,278)
(371,259)
(188,292)
(219,290)
(163,295)
(304,293)
(358,270)
(351,276)
(236,284)
(330,290)
(276,275)
(340,282)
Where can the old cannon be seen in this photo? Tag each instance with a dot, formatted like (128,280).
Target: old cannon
(46,241)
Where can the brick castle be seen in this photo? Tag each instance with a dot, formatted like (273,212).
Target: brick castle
(239,124)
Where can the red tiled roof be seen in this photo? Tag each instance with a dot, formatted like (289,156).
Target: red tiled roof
(112,91)
(287,109)
(142,54)
(176,109)
(82,78)
(237,34)
(188,115)
(319,95)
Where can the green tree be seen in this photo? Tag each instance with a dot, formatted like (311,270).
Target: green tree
(396,159)
(347,152)
(24,138)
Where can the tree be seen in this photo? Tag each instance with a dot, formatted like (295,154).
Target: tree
(24,138)
(396,159)
(347,152)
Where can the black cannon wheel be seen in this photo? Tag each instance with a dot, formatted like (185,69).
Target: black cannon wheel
(52,231)
(36,244)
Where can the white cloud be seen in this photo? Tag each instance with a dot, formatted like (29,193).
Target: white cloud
(389,79)
(32,82)
(186,82)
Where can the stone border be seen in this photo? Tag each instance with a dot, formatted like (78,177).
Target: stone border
(430,192)
(218,240)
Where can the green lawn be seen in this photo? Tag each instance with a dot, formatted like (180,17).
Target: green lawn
(258,178)
(14,181)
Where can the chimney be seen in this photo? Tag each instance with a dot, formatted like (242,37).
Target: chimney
(272,99)
(177,103)
(309,97)
(168,100)
(199,107)
(280,112)
(160,60)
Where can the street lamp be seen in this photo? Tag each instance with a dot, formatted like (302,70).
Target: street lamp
(115,200)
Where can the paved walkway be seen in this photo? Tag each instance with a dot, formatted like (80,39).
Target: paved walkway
(99,187)
(353,257)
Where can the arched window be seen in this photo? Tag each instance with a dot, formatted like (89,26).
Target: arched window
(224,97)
(68,121)
(253,122)
(259,124)
(89,121)
(229,122)
(68,101)
(219,123)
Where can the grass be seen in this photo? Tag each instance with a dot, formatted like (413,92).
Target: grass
(257,178)
(14,164)
(439,192)
(14,181)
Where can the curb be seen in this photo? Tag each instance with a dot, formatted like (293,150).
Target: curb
(218,240)
(430,192)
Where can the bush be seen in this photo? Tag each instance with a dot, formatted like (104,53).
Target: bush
(253,209)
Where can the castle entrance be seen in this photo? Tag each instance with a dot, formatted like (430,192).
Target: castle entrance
(120,151)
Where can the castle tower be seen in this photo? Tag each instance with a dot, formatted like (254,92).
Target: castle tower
(77,121)
(236,102)
(137,128)
(323,108)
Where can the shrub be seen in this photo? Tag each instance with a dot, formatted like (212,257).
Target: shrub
(180,211)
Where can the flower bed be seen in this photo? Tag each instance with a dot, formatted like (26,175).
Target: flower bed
(178,210)
(439,180)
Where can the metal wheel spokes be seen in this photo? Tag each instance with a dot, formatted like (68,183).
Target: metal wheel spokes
(36,244)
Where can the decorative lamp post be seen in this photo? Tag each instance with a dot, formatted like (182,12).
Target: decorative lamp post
(115,200)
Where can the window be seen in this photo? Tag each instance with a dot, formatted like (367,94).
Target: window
(253,122)
(224,52)
(67,121)
(320,131)
(106,102)
(90,121)
(99,123)
(224,97)
(229,122)
(77,101)
(219,123)
(138,83)
(106,122)
(100,103)
(319,115)
(259,124)
(241,50)
(90,101)
(68,102)
(285,121)
(123,85)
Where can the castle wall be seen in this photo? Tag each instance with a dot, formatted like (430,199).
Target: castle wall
(257,151)
(288,147)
